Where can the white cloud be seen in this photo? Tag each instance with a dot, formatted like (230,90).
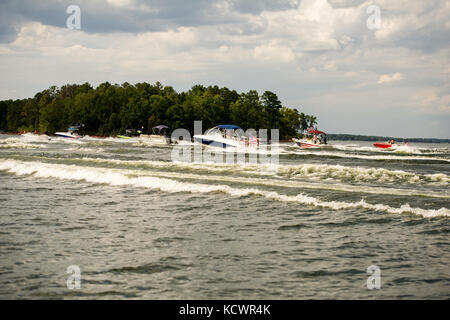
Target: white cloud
(351,74)
(274,53)
(316,56)
(120,3)
(385,78)
(432,100)
(132,5)
(330,66)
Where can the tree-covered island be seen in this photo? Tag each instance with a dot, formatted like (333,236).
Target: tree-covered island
(108,109)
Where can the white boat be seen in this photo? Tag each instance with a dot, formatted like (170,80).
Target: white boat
(159,136)
(129,134)
(315,139)
(72,133)
(226,136)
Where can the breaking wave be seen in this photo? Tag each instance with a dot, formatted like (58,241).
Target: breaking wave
(17,143)
(115,177)
(360,174)
(369,157)
(32,137)
(403,149)
(314,171)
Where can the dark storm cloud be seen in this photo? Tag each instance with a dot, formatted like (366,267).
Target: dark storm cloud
(152,15)
(97,16)
(426,40)
(432,36)
(9,26)
(103,16)
(14,13)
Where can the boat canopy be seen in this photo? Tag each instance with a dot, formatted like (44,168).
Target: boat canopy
(75,127)
(316,132)
(160,127)
(228,126)
(224,130)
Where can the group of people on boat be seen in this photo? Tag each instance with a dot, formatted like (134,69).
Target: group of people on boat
(319,138)
(240,136)
(312,139)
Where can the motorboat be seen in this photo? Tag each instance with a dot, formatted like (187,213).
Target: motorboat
(226,136)
(72,132)
(129,133)
(382,145)
(159,136)
(314,139)
(389,144)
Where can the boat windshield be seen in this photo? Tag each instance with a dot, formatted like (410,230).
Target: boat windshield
(214,132)
(226,133)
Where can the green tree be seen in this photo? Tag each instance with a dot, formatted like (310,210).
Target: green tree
(290,122)
(247,111)
(112,108)
(272,106)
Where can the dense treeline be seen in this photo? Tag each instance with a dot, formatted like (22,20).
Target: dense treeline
(356,137)
(111,109)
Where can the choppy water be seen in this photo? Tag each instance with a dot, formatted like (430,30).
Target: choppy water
(142,226)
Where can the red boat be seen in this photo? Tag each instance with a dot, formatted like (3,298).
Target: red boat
(314,139)
(387,145)
(382,145)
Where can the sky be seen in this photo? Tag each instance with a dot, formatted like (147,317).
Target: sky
(358,72)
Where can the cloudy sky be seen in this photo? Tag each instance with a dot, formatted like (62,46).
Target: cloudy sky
(318,56)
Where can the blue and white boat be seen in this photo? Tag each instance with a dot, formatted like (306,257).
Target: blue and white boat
(72,133)
(225,136)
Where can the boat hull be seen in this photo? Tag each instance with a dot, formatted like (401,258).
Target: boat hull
(154,139)
(67,135)
(384,145)
(308,145)
(216,142)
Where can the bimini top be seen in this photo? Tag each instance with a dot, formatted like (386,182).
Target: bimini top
(160,127)
(228,126)
(316,131)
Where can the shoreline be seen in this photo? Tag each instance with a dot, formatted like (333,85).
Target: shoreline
(408,140)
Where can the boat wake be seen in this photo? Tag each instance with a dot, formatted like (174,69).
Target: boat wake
(402,149)
(116,177)
(17,143)
(376,157)
(314,171)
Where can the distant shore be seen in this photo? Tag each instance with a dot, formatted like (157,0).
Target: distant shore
(357,137)
(331,136)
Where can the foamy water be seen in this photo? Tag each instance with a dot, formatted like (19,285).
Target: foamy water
(141,225)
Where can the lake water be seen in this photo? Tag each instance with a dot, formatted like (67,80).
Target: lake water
(141,226)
